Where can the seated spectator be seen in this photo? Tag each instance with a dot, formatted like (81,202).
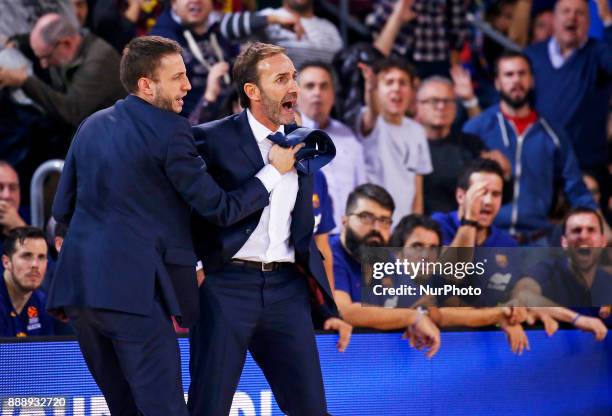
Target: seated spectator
(10,200)
(367,223)
(84,71)
(207,44)
(450,149)
(422,236)
(540,154)
(11,212)
(575,280)
(315,102)
(22,305)
(316,39)
(429,34)
(573,83)
(395,146)
(479,195)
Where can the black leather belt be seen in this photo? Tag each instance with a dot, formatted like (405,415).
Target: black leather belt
(264,267)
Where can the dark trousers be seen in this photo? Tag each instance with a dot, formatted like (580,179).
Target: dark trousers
(268,314)
(134,359)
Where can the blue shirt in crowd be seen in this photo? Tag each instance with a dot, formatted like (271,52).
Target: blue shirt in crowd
(499,253)
(322,205)
(575,96)
(561,285)
(33,319)
(347,270)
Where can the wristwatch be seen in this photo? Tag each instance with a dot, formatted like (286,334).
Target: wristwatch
(422,310)
(469,223)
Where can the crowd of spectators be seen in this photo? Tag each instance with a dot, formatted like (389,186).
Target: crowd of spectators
(457,123)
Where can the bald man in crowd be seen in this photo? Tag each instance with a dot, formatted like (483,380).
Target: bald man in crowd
(83,69)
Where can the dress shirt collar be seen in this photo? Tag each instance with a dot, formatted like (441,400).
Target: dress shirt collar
(554,52)
(260,131)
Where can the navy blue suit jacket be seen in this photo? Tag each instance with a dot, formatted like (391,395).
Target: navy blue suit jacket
(130,177)
(232,156)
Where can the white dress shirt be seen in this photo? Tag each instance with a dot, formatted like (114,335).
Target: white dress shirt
(269,242)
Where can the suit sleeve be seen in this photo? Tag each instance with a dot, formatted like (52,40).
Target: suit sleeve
(65,196)
(187,172)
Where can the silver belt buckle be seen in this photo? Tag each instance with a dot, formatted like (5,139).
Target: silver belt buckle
(267,267)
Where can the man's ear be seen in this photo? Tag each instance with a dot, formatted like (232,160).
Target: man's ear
(252,91)
(460,195)
(5,261)
(564,242)
(145,86)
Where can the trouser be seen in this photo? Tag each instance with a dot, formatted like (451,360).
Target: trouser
(268,314)
(134,359)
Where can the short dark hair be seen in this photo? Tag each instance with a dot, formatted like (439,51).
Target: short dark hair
(20,234)
(245,67)
(141,58)
(386,64)
(478,165)
(321,65)
(511,55)
(403,230)
(372,192)
(581,210)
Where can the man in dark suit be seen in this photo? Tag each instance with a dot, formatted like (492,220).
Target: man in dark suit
(258,272)
(127,262)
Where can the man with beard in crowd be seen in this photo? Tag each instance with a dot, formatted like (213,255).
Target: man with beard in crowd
(367,223)
(22,304)
(540,154)
(576,280)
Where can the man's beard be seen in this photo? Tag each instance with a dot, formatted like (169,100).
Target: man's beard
(517,102)
(272,109)
(357,246)
(162,100)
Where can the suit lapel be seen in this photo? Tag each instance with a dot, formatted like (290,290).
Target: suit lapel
(247,142)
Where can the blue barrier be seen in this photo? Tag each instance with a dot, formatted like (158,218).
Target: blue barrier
(473,374)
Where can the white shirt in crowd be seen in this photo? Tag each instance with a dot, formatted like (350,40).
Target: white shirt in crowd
(346,171)
(394,155)
(269,242)
(320,41)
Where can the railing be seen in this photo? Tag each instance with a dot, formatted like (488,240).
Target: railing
(37,200)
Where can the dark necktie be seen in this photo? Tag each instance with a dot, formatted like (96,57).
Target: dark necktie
(317,152)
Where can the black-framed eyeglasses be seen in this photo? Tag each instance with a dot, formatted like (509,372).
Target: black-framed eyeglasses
(367,218)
